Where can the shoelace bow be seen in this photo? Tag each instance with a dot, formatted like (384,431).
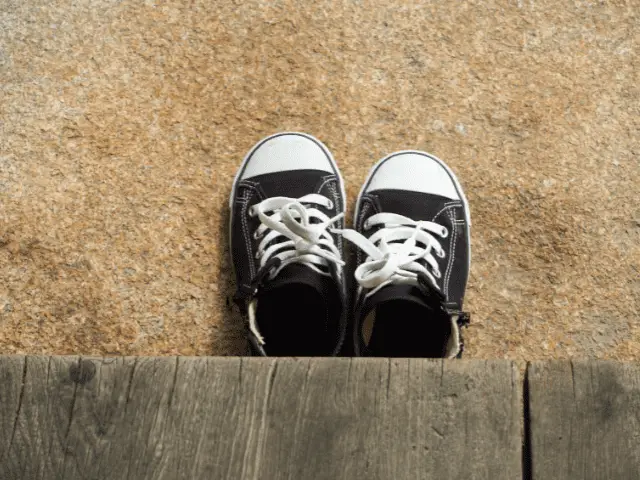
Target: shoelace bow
(308,243)
(305,242)
(393,252)
(394,255)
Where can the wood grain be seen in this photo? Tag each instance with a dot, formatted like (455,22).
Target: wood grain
(584,420)
(11,383)
(244,418)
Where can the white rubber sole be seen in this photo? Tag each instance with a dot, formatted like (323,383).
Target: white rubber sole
(449,171)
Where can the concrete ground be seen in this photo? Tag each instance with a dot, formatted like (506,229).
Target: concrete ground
(122,123)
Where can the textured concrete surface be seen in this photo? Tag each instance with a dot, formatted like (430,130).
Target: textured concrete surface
(122,124)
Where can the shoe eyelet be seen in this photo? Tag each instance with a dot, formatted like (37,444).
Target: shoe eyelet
(444,233)
(366,225)
(258,255)
(442,253)
(252,212)
(330,205)
(437,274)
(256,236)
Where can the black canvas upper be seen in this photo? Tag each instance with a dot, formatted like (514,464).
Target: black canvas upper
(431,309)
(292,184)
(421,206)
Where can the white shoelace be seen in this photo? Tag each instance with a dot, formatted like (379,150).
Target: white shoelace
(393,251)
(308,243)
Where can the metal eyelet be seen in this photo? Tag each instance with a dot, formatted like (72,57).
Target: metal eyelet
(444,232)
(252,212)
(437,274)
(442,253)
(258,255)
(330,205)
(256,236)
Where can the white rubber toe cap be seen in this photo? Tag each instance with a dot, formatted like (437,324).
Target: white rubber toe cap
(287,151)
(414,171)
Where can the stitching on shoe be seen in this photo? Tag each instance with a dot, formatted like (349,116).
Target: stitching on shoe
(334,192)
(447,275)
(375,202)
(248,183)
(446,207)
(371,202)
(326,180)
(253,186)
(245,230)
(363,211)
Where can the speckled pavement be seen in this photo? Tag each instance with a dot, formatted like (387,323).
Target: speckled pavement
(122,124)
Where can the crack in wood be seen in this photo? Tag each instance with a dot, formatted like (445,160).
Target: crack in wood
(20,399)
(272,376)
(240,372)
(172,390)
(128,391)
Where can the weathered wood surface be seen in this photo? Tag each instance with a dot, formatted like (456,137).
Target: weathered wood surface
(232,418)
(584,420)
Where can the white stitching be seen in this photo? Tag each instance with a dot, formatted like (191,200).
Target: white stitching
(447,206)
(245,234)
(245,231)
(332,188)
(326,180)
(447,275)
(254,188)
(369,203)
(334,192)
(363,212)
(452,252)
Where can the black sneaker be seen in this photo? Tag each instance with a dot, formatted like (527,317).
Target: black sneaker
(412,233)
(286,198)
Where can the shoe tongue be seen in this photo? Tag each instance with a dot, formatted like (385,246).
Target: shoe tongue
(298,274)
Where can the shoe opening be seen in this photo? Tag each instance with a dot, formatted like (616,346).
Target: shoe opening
(299,320)
(404,328)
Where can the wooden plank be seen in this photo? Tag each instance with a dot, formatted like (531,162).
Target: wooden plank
(249,418)
(11,382)
(41,423)
(584,419)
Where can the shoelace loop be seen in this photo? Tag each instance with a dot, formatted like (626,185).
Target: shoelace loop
(393,252)
(305,242)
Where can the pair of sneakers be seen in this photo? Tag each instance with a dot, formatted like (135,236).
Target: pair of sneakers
(411,233)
